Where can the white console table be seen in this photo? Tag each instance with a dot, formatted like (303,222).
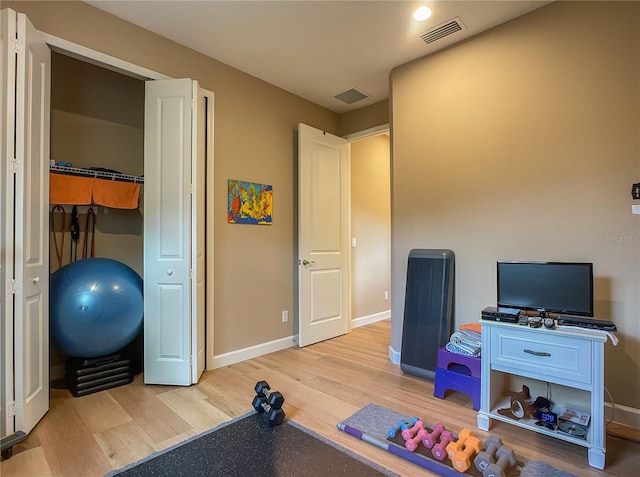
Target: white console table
(570,360)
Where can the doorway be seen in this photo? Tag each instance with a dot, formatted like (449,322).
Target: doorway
(370,225)
(325,311)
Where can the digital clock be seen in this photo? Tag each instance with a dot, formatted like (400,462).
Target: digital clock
(547,417)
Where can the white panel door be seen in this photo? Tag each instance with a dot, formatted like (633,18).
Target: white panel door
(201,158)
(323,221)
(167,232)
(33,87)
(7,111)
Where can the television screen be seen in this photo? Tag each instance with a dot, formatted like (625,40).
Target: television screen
(556,287)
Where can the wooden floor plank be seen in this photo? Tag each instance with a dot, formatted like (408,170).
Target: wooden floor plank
(149,412)
(30,463)
(100,412)
(192,407)
(68,444)
(124,444)
(323,384)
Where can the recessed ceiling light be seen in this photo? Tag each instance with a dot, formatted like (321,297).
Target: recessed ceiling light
(422,13)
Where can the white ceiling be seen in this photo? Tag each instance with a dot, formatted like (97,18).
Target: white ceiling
(315,49)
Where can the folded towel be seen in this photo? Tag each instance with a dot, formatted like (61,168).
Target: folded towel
(470,341)
(457,350)
(67,189)
(116,194)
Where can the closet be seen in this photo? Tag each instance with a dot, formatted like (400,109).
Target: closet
(159,129)
(97,121)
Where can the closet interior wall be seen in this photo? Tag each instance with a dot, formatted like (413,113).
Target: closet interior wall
(97,120)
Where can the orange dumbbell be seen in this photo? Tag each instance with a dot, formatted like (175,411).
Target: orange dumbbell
(454,447)
(462,459)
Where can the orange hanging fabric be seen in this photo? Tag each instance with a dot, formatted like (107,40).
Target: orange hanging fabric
(115,194)
(59,249)
(91,217)
(72,190)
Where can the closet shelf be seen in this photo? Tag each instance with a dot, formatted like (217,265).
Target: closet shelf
(74,171)
(84,186)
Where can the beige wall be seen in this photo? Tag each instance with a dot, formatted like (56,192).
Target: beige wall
(371,226)
(255,140)
(522,144)
(364,118)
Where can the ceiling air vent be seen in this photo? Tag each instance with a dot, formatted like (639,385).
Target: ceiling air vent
(446,29)
(352,95)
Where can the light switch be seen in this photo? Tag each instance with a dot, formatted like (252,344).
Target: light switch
(353,242)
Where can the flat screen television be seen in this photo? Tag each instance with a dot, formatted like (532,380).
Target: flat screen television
(556,287)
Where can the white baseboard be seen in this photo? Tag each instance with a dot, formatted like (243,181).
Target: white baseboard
(265,348)
(394,356)
(367,320)
(251,352)
(629,416)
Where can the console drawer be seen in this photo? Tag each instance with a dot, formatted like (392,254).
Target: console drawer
(541,355)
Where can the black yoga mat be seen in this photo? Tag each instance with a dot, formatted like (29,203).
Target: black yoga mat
(249,447)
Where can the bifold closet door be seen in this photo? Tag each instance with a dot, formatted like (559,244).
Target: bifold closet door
(173,314)
(26,86)
(7,112)
(427,310)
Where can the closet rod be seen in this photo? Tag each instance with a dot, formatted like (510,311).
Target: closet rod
(74,171)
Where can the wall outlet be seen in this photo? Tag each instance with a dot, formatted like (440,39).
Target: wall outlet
(285,316)
(386,295)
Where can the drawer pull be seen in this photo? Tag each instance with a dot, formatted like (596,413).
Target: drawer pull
(537,353)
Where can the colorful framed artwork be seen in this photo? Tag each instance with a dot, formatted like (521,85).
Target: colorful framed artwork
(249,203)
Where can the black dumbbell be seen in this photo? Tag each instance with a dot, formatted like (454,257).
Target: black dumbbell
(506,458)
(486,457)
(275,415)
(273,399)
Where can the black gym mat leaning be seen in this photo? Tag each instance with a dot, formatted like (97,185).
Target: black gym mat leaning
(249,446)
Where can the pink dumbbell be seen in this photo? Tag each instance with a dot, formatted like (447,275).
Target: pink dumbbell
(412,431)
(412,444)
(430,438)
(439,450)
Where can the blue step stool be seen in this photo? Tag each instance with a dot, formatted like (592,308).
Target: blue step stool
(457,372)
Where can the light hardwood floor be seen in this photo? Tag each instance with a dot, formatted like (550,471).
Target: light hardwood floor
(323,384)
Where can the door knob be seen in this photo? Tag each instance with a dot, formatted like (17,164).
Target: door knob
(306,262)
(36,279)
(169,272)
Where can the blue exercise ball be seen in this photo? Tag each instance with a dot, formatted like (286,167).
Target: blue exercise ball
(96,307)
